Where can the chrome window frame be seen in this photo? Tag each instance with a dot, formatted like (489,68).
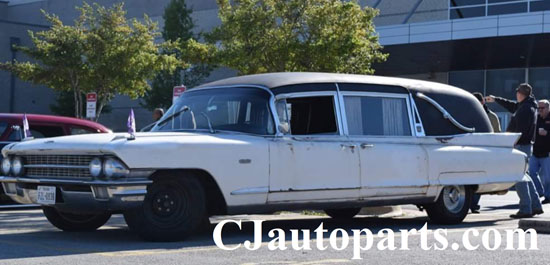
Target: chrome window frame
(409,108)
(337,110)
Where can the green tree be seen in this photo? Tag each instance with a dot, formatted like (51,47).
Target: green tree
(102,52)
(178,27)
(257,36)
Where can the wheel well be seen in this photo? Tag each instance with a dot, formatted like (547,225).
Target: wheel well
(215,202)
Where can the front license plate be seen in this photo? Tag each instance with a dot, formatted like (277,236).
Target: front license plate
(45,195)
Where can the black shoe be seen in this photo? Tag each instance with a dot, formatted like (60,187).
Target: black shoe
(546,201)
(519,215)
(537,212)
(475,211)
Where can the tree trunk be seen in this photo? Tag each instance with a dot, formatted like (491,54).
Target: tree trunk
(98,111)
(76,103)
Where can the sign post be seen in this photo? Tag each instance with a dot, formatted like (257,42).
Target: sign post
(178,90)
(91,102)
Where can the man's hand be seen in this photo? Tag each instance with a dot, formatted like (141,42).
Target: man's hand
(490,99)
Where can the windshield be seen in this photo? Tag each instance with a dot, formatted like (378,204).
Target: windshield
(230,109)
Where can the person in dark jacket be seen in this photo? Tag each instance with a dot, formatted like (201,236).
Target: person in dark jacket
(524,119)
(539,164)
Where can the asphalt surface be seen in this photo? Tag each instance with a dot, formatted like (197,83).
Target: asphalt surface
(27,238)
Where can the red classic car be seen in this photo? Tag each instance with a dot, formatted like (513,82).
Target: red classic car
(41,126)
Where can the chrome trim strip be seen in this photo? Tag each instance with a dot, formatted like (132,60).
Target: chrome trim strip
(445,113)
(55,166)
(248,191)
(79,182)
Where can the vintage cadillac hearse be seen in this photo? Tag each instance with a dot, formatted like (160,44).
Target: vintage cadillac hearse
(269,142)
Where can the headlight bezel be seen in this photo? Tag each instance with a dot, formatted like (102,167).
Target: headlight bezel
(114,168)
(17,166)
(96,172)
(6,162)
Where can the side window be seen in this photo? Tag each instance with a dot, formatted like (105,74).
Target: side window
(78,130)
(377,116)
(310,115)
(3,127)
(15,134)
(46,131)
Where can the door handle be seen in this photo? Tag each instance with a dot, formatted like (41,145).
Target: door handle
(365,145)
(350,146)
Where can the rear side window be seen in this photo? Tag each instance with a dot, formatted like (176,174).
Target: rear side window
(312,115)
(3,127)
(377,116)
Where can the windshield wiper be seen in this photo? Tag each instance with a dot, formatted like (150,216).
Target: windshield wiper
(209,123)
(185,109)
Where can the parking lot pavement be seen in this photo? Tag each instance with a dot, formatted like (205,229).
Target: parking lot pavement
(27,238)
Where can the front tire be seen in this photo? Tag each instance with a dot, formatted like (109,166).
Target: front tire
(344,213)
(71,222)
(172,210)
(452,205)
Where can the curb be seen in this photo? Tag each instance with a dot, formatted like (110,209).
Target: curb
(541,225)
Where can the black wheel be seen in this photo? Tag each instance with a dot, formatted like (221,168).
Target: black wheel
(344,213)
(172,210)
(71,222)
(452,205)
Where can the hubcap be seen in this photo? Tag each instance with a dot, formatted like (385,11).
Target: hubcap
(454,198)
(164,203)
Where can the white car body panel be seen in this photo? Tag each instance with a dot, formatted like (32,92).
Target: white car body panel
(394,167)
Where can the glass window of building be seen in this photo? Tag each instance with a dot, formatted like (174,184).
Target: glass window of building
(472,81)
(540,5)
(507,9)
(539,79)
(503,83)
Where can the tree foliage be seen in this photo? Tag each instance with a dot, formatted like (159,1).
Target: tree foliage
(258,36)
(178,28)
(102,52)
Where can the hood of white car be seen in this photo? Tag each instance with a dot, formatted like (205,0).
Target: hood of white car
(119,144)
(91,143)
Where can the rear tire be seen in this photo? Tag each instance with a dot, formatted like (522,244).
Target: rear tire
(71,222)
(452,205)
(344,213)
(172,210)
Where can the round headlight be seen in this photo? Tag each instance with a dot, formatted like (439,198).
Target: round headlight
(114,168)
(6,166)
(95,167)
(17,166)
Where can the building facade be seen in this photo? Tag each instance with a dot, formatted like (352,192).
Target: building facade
(489,46)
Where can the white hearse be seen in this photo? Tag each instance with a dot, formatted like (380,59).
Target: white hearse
(270,142)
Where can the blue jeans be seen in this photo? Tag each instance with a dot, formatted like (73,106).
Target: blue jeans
(527,193)
(539,169)
(475,202)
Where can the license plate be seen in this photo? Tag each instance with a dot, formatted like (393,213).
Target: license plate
(45,195)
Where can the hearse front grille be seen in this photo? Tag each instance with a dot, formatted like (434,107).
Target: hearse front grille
(58,166)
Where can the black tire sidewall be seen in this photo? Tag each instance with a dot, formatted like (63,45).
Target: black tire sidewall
(438,212)
(153,227)
(86,222)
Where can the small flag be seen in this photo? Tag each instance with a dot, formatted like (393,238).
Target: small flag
(26,128)
(132,124)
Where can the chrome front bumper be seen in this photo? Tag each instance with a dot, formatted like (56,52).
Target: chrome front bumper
(80,196)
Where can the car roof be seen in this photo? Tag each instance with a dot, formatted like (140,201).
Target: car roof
(274,80)
(38,118)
